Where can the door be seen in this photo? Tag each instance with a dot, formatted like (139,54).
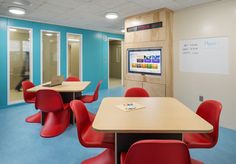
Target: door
(73,55)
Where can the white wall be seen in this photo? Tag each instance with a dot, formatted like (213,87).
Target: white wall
(209,20)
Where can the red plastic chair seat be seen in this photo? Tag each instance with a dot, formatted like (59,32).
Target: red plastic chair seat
(88,137)
(210,111)
(198,140)
(55,124)
(72,78)
(87,98)
(136,92)
(35,118)
(157,152)
(106,157)
(57,113)
(194,161)
(30,97)
(123,156)
(91,116)
(93,138)
(91,98)
(31,100)
(66,106)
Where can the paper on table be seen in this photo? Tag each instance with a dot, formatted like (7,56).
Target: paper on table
(130,106)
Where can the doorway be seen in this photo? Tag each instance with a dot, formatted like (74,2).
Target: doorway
(74,55)
(19,61)
(115,63)
(50,55)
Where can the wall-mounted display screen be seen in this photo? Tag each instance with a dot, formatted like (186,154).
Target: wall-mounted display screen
(144,61)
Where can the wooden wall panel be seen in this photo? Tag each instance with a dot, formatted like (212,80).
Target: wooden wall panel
(132,83)
(152,38)
(155,90)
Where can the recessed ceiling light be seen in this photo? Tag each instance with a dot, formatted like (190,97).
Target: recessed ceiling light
(22,2)
(17,3)
(49,34)
(16,10)
(13,29)
(111,15)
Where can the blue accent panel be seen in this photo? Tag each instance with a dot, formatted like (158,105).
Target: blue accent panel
(92,71)
(3,62)
(36,55)
(95,53)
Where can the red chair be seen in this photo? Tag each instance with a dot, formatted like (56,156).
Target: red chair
(29,97)
(72,78)
(210,111)
(136,92)
(67,96)
(91,98)
(158,152)
(58,114)
(88,137)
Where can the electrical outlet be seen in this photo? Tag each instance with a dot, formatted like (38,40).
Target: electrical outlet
(201,98)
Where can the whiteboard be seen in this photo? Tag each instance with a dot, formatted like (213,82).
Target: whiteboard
(205,55)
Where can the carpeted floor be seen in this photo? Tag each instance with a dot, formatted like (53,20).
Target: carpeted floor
(20,142)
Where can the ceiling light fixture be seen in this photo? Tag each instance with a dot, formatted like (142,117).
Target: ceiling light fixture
(111,15)
(22,2)
(16,10)
(122,30)
(18,3)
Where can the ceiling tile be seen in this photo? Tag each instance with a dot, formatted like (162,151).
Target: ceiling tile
(91,13)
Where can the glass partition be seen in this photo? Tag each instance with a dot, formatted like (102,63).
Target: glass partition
(50,55)
(19,56)
(73,54)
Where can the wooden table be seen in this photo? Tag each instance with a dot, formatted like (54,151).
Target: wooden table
(161,118)
(74,88)
(66,86)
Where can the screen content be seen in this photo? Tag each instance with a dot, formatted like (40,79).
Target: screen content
(145,61)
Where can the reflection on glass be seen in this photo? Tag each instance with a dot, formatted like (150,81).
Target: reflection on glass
(19,56)
(50,52)
(73,46)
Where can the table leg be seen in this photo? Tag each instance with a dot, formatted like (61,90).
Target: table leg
(123,141)
(43,114)
(72,118)
(115,148)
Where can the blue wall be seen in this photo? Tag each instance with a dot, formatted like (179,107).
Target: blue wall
(95,53)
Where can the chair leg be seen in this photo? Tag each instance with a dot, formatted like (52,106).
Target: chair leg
(106,157)
(55,123)
(35,118)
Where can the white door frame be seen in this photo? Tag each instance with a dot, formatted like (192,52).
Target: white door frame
(80,55)
(8,60)
(122,53)
(58,52)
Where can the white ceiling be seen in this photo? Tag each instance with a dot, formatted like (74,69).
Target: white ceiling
(89,14)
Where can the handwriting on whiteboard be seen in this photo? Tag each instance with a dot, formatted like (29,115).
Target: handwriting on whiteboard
(205,55)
